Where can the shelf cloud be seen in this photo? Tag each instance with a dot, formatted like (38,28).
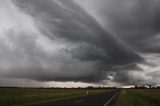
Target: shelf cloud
(81,41)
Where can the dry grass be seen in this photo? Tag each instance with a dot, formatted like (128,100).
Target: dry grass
(22,96)
(139,97)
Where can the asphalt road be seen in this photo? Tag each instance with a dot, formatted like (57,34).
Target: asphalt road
(103,99)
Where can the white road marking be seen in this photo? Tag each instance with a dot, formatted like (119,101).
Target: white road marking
(87,92)
(79,101)
(110,99)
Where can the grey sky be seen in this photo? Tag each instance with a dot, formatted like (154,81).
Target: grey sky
(96,42)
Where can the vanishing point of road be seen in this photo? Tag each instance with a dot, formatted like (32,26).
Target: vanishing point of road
(102,99)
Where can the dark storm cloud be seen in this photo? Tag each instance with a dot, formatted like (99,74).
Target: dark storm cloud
(135,22)
(23,57)
(96,47)
(66,20)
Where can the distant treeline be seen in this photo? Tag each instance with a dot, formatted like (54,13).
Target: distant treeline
(89,87)
(92,87)
(146,87)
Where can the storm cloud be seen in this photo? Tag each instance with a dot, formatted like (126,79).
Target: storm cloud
(85,41)
(134,22)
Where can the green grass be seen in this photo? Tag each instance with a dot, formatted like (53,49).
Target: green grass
(28,96)
(139,97)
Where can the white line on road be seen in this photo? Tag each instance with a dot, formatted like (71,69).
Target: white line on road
(79,101)
(110,99)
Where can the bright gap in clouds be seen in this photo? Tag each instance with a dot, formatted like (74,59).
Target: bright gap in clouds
(11,17)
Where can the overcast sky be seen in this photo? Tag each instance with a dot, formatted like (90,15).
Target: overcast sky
(79,42)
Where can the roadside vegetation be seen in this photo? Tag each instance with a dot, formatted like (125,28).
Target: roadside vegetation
(139,97)
(28,96)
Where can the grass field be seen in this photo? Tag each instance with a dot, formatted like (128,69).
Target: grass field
(28,96)
(139,97)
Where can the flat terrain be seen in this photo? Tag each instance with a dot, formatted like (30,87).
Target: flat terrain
(28,96)
(139,97)
(101,99)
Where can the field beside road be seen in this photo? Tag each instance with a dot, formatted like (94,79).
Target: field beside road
(139,97)
(28,96)
(99,99)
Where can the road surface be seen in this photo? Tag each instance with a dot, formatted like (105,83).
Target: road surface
(103,99)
